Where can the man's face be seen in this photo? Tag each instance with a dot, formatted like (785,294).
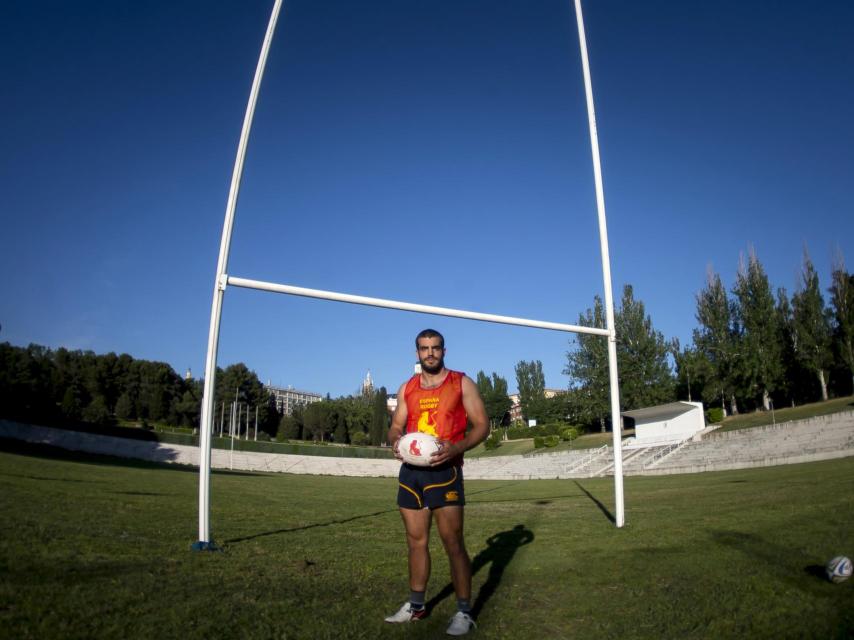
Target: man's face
(431,355)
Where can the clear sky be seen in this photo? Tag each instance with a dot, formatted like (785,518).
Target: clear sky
(431,152)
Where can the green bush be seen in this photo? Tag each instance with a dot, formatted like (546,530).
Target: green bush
(569,433)
(539,442)
(358,438)
(714,415)
(263,436)
(551,428)
(493,441)
(551,441)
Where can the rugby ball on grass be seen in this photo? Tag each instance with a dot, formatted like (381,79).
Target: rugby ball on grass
(839,569)
(416,448)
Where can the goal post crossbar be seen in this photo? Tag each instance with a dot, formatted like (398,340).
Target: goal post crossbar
(409,306)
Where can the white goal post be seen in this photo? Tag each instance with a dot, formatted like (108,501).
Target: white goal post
(223,280)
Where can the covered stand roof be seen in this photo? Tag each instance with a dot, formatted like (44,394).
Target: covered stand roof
(661,411)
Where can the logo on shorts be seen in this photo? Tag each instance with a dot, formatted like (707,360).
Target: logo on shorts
(452,496)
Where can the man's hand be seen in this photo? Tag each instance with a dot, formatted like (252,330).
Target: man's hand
(447,451)
(394,449)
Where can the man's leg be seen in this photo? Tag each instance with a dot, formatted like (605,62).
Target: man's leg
(449,521)
(417,525)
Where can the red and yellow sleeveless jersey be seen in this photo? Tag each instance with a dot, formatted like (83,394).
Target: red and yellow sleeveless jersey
(437,411)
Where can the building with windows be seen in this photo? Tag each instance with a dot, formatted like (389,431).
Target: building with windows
(289,399)
(516,407)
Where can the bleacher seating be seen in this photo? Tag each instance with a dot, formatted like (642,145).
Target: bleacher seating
(819,438)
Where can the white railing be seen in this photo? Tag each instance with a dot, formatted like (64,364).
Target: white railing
(661,455)
(586,460)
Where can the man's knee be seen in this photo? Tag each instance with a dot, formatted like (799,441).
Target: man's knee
(417,541)
(454,544)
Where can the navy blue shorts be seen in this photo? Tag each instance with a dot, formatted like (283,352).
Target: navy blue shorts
(430,487)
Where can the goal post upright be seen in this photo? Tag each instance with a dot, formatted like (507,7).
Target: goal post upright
(206,422)
(606,274)
(222,280)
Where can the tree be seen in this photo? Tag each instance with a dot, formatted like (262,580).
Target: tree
(812,325)
(290,427)
(759,364)
(71,409)
(379,418)
(493,390)
(97,413)
(587,368)
(716,340)
(316,420)
(642,353)
(645,375)
(532,384)
(842,302)
(124,407)
(338,420)
(796,382)
(693,371)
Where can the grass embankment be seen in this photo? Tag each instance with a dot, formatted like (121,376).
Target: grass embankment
(97,547)
(526,445)
(179,435)
(764,418)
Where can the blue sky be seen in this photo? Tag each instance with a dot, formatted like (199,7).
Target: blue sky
(428,152)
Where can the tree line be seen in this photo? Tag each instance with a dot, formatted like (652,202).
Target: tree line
(360,419)
(66,388)
(751,350)
(62,386)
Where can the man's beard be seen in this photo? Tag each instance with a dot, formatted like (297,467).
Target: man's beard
(432,370)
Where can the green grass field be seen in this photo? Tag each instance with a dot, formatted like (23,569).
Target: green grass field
(96,547)
(763,418)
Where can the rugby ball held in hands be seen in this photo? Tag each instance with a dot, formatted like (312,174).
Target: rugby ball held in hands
(416,448)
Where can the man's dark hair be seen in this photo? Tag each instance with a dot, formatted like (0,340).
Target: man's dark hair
(430,333)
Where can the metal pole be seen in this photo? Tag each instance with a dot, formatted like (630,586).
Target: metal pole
(409,306)
(606,274)
(219,289)
(256,423)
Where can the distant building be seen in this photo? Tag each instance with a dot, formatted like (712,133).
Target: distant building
(367,387)
(391,399)
(289,399)
(516,407)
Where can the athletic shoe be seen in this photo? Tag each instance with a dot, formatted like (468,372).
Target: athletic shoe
(407,614)
(461,624)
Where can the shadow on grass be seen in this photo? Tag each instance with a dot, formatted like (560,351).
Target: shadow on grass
(316,525)
(498,553)
(772,556)
(28,477)
(51,452)
(596,501)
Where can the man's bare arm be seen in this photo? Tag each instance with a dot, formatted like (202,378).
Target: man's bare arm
(398,421)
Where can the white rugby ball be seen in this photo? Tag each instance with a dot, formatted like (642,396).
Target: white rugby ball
(839,569)
(417,447)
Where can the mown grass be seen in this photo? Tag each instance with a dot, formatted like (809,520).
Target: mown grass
(764,418)
(99,547)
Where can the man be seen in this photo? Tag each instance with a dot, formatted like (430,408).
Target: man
(440,402)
